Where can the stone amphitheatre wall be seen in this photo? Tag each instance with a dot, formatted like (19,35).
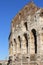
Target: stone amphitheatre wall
(26,36)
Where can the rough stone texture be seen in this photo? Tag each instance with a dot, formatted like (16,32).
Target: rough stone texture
(26,37)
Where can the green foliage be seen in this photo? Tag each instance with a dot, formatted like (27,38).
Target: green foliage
(0,63)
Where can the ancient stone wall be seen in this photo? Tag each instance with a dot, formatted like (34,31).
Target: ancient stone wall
(26,40)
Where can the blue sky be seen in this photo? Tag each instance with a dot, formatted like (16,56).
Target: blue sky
(8,9)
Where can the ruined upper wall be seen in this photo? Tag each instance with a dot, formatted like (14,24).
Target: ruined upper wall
(29,9)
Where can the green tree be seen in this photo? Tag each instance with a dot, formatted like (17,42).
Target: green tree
(0,63)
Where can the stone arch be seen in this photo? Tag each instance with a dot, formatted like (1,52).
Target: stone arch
(25,35)
(35,39)
(25,24)
(19,40)
(15,46)
(33,44)
(14,41)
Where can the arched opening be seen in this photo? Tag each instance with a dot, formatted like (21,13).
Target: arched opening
(15,40)
(25,35)
(19,40)
(26,25)
(35,39)
(15,46)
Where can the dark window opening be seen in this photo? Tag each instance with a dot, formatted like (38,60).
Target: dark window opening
(41,14)
(25,35)
(14,40)
(35,39)
(19,40)
(11,44)
(19,13)
(42,28)
(26,25)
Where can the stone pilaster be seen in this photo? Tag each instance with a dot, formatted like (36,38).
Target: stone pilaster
(41,45)
(32,46)
(18,46)
(23,45)
(28,48)
(38,46)
(14,49)
(14,45)
(10,50)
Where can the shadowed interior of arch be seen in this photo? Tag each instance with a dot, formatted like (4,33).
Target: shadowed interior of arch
(35,39)
(19,40)
(25,35)
(26,25)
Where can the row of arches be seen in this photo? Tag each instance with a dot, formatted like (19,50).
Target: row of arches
(34,34)
(26,39)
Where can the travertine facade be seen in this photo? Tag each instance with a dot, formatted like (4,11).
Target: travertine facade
(26,37)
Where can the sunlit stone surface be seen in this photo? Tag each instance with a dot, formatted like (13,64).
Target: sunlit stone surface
(26,37)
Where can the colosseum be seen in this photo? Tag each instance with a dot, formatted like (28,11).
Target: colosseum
(26,37)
